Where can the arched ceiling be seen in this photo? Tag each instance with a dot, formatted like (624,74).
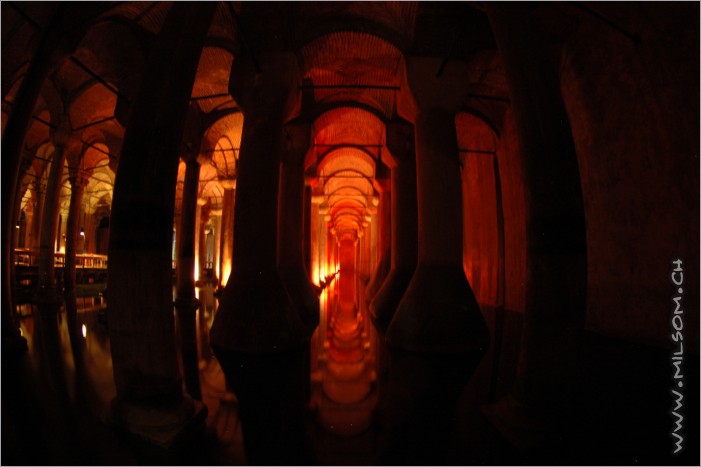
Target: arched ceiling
(351,58)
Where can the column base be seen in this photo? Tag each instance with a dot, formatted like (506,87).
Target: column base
(256,315)
(160,426)
(302,295)
(528,429)
(439,313)
(418,406)
(270,388)
(14,344)
(386,301)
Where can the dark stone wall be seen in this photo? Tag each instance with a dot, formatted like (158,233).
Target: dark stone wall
(634,113)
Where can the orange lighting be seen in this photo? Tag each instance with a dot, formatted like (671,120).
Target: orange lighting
(226,272)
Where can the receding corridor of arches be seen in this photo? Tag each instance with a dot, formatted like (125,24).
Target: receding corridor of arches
(349,233)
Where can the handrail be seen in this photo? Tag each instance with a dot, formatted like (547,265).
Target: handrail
(28,257)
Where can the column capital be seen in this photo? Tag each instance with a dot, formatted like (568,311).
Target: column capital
(228,183)
(61,136)
(298,137)
(400,142)
(433,84)
(269,83)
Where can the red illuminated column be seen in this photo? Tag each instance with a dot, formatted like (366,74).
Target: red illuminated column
(186,304)
(380,273)
(226,258)
(556,259)
(150,400)
(439,312)
(400,142)
(257,334)
(290,242)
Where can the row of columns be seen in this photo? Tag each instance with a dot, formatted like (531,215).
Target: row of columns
(435,334)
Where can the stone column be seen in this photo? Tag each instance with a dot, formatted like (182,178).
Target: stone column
(78,181)
(290,241)
(438,335)
(186,302)
(216,214)
(150,401)
(257,334)
(307,223)
(400,142)
(380,272)
(47,292)
(13,138)
(227,231)
(538,409)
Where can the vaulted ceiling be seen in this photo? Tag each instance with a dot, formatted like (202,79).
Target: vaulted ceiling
(350,54)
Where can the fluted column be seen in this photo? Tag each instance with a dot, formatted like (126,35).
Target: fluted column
(257,334)
(150,400)
(538,410)
(186,302)
(400,142)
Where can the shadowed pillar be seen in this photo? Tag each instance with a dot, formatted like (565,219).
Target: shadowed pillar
(48,298)
(186,303)
(150,401)
(78,179)
(227,230)
(538,410)
(13,137)
(400,142)
(257,334)
(290,241)
(437,336)
(379,273)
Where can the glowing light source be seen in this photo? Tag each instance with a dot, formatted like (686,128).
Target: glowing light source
(84,331)
(82,232)
(226,272)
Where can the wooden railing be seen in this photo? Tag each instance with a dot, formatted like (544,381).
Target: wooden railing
(29,257)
